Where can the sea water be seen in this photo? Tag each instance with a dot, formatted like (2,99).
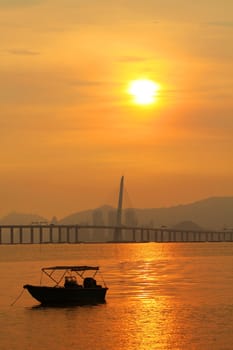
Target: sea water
(161,296)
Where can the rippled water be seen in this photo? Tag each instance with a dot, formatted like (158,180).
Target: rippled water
(161,296)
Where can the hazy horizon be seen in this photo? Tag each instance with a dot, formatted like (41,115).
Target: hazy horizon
(69,128)
(114,206)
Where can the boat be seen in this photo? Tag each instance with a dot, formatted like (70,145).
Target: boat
(71,285)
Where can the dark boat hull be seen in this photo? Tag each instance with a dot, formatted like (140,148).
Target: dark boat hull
(65,296)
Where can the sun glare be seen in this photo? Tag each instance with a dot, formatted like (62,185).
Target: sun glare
(144,92)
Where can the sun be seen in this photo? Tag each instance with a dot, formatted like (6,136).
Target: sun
(144,91)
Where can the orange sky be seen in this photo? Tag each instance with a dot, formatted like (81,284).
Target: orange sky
(69,130)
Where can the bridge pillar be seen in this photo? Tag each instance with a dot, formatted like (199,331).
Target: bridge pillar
(68,234)
(195,237)
(76,234)
(148,235)
(50,234)
(182,236)
(155,236)
(230,236)
(12,235)
(206,237)
(142,235)
(162,236)
(59,234)
(134,235)
(32,235)
(40,234)
(0,235)
(191,238)
(20,235)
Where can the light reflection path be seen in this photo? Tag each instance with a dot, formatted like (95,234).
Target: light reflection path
(161,296)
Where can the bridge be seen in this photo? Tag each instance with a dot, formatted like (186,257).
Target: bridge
(41,234)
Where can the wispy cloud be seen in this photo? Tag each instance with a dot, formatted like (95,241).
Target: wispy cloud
(132,59)
(220,23)
(24,52)
(85,83)
(18,3)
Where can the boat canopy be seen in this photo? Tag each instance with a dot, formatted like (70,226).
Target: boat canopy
(71,268)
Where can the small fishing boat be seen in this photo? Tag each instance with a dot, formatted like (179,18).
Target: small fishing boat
(71,285)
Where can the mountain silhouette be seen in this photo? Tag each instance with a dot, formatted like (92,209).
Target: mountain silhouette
(21,219)
(210,213)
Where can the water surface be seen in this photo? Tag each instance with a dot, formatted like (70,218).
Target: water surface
(161,296)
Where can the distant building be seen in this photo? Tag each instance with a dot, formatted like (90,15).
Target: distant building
(98,220)
(111,219)
(130,219)
(54,220)
(85,234)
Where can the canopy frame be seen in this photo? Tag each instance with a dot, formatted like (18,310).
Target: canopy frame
(67,270)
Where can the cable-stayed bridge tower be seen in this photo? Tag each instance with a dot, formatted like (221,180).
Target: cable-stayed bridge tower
(117,233)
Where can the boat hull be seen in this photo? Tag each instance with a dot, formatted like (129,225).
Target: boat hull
(63,296)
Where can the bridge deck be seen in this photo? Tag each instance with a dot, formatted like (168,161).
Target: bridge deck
(35,233)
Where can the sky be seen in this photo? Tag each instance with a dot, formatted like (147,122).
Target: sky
(69,129)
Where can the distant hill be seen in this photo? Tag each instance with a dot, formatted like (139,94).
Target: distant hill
(187,225)
(86,217)
(211,213)
(21,219)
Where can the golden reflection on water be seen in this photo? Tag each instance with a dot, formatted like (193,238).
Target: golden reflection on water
(176,298)
(161,296)
(146,323)
(150,314)
(148,320)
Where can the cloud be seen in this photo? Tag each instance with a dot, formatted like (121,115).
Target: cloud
(220,23)
(24,52)
(18,3)
(132,59)
(85,83)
